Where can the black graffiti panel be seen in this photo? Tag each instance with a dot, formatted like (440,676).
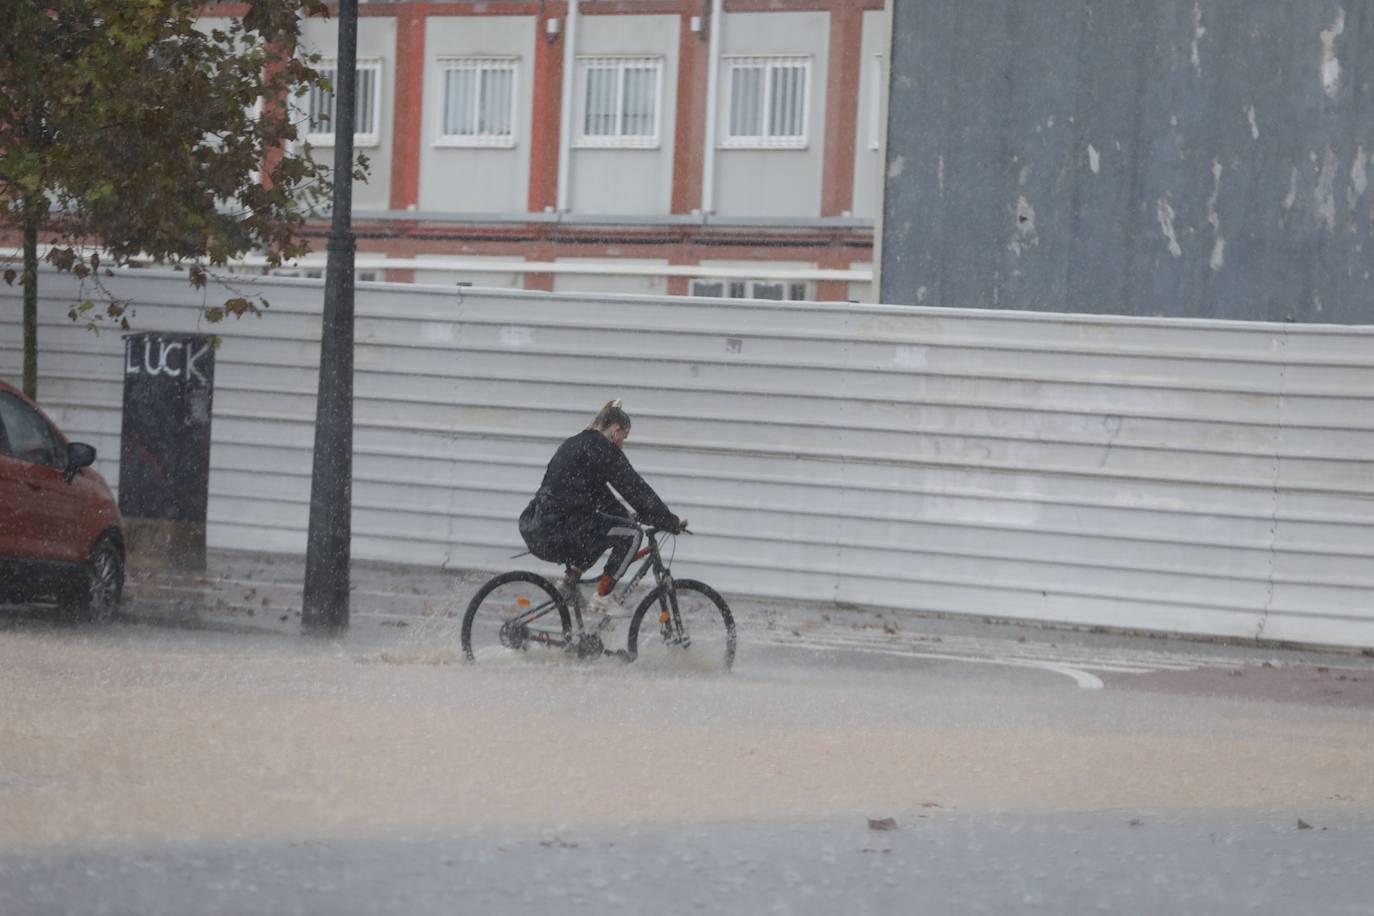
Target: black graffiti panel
(164,455)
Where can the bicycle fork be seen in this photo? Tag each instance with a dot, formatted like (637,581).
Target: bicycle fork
(670,616)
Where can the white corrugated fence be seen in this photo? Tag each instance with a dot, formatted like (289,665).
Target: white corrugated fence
(1192,476)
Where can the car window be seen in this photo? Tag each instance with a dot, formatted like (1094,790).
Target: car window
(27,435)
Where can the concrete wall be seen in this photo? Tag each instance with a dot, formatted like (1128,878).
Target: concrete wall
(476,180)
(443,275)
(627,182)
(635,285)
(1178,157)
(769,182)
(376,41)
(867,185)
(1180,475)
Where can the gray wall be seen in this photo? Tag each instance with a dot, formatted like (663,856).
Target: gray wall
(771,182)
(376,41)
(634,181)
(634,285)
(476,179)
(1176,157)
(866,137)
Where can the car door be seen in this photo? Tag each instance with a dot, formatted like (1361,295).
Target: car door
(9,499)
(45,512)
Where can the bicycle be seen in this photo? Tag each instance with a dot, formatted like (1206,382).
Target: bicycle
(680,622)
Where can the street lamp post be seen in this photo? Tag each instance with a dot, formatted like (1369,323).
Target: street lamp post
(325,605)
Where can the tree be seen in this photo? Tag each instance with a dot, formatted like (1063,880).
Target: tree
(125,128)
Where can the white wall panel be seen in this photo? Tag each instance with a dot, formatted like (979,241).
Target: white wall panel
(1190,476)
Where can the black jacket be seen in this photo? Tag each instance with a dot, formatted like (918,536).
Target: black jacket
(563,514)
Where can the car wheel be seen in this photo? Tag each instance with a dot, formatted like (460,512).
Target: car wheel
(95,598)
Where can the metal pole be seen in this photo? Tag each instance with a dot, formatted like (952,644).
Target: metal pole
(565,119)
(325,604)
(708,170)
(884,90)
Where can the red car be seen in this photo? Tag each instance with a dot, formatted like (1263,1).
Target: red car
(61,537)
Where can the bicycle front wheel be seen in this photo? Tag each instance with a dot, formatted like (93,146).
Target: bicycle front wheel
(701,639)
(512,612)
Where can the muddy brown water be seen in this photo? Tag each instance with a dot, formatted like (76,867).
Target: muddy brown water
(137,735)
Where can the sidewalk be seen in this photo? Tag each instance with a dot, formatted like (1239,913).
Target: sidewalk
(262,592)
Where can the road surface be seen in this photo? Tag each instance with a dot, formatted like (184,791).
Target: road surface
(217,762)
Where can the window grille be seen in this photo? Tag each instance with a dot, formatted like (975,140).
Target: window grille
(479,102)
(768,102)
(320,114)
(750,289)
(620,101)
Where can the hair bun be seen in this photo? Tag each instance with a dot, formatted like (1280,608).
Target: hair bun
(613,414)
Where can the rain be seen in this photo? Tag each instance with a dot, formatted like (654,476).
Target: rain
(706,458)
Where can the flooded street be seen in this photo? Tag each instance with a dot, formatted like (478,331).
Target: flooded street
(153,769)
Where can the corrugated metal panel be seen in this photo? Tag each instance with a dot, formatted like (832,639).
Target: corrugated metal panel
(1191,476)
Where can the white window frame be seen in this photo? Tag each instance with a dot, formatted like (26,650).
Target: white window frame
(618,140)
(509,65)
(768,62)
(748,289)
(360,137)
(875,104)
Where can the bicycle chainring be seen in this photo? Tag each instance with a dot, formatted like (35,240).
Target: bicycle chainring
(589,645)
(514,635)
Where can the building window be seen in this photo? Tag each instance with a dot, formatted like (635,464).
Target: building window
(367,114)
(619,101)
(768,107)
(776,290)
(875,103)
(479,102)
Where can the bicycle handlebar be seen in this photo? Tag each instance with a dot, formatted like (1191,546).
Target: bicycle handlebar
(633,519)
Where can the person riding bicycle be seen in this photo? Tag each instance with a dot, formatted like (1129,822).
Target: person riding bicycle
(564,522)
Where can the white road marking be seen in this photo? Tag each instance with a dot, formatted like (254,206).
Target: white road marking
(1074,662)
(1114,659)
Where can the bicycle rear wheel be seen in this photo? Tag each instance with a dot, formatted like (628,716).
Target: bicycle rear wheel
(706,641)
(512,612)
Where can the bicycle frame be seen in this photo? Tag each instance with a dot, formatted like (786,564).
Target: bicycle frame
(517,631)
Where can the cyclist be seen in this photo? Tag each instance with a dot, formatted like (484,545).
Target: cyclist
(562,523)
